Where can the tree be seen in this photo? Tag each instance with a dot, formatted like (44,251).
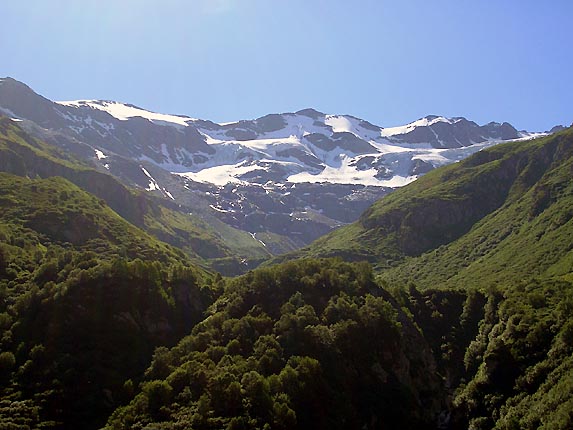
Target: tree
(158,395)
(7,364)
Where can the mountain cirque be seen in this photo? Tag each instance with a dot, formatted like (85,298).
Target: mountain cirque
(293,176)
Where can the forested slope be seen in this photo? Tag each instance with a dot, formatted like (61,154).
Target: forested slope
(310,344)
(85,297)
(318,344)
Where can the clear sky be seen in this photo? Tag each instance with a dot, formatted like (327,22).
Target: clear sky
(389,62)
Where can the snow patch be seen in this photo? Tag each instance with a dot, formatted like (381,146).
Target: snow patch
(222,124)
(433,157)
(254,236)
(422,122)
(152,182)
(100,155)
(123,112)
(220,175)
(525,135)
(339,124)
(349,174)
(218,209)
(9,113)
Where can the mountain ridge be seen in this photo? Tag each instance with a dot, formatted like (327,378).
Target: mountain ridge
(470,220)
(301,142)
(285,178)
(25,156)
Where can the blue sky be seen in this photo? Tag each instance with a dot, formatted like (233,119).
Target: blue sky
(389,62)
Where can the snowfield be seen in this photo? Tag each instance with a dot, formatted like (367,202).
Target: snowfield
(306,146)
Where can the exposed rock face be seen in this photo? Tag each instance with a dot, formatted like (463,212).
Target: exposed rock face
(557,128)
(503,131)
(456,132)
(21,101)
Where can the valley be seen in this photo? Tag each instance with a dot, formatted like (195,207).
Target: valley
(296,271)
(278,182)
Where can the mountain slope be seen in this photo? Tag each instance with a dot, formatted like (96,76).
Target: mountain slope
(311,344)
(505,353)
(490,243)
(286,179)
(318,344)
(85,297)
(54,211)
(531,234)
(507,201)
(306,146)
(23,155)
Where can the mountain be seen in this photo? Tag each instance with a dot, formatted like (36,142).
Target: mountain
(488,240)
(210,243)
(466,322)
(54,211)
(503,211)
(286,179)
(529,233)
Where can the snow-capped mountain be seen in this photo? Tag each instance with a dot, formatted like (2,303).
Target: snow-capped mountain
(293,174)
(306,146)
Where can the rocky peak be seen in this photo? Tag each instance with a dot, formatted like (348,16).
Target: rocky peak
(19,100)
(311,113)
(504,131)
(557,128)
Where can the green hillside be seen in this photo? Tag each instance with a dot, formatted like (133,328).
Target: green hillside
(503,213)
(78,286)
(319,344)
(505,354)
(211,244)
(310,344)
(531,234)
(39,213)
(489,241)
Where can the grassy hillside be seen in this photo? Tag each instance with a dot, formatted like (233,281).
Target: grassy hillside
(531,234)
(39,213)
